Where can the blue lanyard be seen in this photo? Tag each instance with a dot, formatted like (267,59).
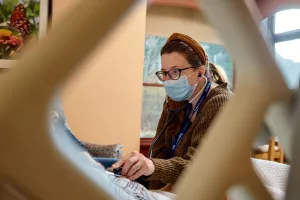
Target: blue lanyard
(187,122)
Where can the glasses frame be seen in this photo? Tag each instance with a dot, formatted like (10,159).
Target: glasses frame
(167,73)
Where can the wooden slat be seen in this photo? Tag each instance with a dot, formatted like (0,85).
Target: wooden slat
(233,165)
(271,151)
(145,145)
(180,3)
(153,85)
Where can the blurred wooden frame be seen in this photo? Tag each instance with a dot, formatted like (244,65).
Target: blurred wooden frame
(212,172)
(266,7)
(235,128)
(26,91)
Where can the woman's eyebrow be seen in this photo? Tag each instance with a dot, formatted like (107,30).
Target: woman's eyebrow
(174,67)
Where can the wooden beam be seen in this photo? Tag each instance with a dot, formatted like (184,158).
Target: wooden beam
(179,3)
(145,145)
(153,85)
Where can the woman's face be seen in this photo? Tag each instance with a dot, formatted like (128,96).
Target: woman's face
(177,60)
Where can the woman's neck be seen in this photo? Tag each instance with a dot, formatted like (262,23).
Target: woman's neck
(198,92)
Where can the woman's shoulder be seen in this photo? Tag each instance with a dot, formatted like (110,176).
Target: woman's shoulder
(221,90)
(214,102)
(219,96)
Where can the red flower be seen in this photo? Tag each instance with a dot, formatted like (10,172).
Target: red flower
(12,40)
(16,41)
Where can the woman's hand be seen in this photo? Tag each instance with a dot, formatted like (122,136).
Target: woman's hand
(135,166)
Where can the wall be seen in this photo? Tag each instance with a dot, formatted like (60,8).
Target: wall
(268,7)
(164,20)
(102,101)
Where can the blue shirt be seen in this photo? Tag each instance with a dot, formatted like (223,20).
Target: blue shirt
(60,126)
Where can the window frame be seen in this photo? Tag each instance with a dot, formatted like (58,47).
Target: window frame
(145,143)
(281,37)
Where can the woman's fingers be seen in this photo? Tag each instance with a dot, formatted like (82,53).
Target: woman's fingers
(118,164)
(129,162)
(134,168)
(137,174)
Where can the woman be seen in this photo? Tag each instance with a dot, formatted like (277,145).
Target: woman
(197,88)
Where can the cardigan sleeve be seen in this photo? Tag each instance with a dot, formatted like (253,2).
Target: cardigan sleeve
(168,170)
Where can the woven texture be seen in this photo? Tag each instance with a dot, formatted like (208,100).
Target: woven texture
(104,151)
(192,43)
(272,174)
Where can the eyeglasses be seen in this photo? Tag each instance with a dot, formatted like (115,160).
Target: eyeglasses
(174,74)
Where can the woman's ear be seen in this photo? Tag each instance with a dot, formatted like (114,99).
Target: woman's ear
(201,71)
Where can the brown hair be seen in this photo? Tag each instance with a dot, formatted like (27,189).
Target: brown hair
(218,73)
(195,55)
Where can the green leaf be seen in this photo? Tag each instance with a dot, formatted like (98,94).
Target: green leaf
(7,8)
(11,2)
(26,1)
(36,9)
(28,11)
(2,16)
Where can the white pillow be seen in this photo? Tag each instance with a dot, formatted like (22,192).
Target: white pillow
(276,193)
(240,193)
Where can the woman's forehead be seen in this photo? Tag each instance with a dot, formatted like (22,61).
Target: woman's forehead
(172,60)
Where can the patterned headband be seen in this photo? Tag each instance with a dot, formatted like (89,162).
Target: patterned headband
(192,43)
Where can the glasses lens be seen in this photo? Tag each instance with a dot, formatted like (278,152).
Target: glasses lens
(161,76)
(174,74)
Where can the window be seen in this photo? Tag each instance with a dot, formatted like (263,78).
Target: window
(153,98)
(153,92)
(287,20)
(288,59)
(287,45)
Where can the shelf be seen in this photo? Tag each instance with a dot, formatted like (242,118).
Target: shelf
(5,64)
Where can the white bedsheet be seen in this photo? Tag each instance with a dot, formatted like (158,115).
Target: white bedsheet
(274,176)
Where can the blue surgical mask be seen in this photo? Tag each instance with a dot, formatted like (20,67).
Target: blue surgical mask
(179,90)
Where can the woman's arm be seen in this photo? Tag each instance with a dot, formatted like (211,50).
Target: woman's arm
(135,158)
(168,171)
